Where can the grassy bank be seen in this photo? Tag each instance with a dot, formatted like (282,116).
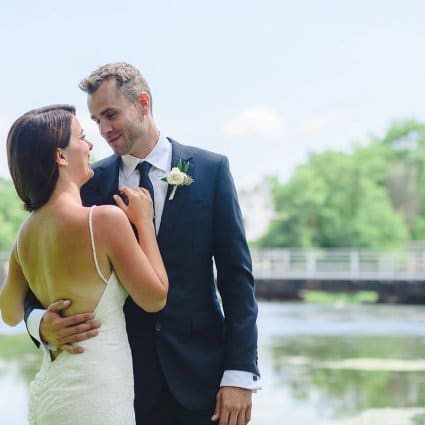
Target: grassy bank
(19,350)
(321,297)
(13,346)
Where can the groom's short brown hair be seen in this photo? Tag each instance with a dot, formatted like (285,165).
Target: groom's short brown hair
(130,82)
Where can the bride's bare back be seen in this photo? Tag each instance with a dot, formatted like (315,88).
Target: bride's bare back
(56,257)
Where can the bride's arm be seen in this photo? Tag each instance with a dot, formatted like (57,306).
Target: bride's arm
(13,291)
(138,265)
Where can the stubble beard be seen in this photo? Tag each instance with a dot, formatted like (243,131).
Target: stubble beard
(124,149)
(134,140)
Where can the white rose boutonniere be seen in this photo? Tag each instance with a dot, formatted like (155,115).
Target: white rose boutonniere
(178,177)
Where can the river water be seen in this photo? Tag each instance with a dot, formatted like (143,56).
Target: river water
(321,365)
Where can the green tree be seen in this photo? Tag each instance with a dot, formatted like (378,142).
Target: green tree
(349,199)
(406,173)
(11,214)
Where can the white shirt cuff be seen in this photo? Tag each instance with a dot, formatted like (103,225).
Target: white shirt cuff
(33,326)
(33,323)
(241,379)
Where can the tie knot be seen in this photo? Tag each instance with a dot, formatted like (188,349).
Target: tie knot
(144,167)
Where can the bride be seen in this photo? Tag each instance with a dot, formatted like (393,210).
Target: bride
(88,255)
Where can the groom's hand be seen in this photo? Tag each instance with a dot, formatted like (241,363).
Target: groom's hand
(233,406)
(63,332)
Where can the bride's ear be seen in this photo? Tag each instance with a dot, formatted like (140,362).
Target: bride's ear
(60,158)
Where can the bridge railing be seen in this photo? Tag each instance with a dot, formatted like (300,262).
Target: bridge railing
(326,264)
(332,264)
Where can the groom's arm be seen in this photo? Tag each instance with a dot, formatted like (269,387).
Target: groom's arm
(236,286)
(33,313)
(235,281)
(51,328)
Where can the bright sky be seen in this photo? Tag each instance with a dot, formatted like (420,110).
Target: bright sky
(265,82)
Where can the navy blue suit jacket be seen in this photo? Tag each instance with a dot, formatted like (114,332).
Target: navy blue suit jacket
(190,342)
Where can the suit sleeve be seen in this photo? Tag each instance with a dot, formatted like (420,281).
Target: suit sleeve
(31,302)
(235,281)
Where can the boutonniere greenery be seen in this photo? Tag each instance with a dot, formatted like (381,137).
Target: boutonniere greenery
(177,177)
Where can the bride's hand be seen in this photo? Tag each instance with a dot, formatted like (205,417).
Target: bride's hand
(139,207)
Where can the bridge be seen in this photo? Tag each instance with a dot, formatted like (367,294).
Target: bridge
(396,276)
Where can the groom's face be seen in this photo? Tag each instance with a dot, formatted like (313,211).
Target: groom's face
(121,123)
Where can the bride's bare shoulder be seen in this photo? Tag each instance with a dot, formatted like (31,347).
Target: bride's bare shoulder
(106,211)
(111,225)
(110,215)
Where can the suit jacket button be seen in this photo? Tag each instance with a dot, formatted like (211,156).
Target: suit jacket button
(157,327)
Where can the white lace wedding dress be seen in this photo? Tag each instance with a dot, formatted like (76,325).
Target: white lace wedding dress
(95,387)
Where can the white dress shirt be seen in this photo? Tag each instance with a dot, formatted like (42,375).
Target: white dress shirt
(160,159)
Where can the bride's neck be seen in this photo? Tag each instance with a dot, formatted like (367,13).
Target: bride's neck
(65,193)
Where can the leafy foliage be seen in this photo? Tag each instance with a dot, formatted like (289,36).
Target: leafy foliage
(11,214)
(373,196)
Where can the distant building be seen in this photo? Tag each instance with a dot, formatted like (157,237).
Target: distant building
(257,210)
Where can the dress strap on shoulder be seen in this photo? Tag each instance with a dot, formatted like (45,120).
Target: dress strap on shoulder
(93,245)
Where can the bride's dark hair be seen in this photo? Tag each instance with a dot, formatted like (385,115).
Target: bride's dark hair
(31,151)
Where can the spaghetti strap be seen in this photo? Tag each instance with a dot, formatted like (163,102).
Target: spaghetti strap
(92,244)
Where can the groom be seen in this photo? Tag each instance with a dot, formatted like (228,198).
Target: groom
(191,362)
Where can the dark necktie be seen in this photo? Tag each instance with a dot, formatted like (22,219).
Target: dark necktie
(145,181)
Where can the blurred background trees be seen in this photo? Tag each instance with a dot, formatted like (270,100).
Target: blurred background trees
(11,214)
(373,196)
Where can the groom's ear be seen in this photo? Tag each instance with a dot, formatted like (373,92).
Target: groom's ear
(144,101)
(60,158)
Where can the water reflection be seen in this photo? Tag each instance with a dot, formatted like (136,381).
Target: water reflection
(344,364)
(333,365)
(13,397)
(311,368)
(19,361)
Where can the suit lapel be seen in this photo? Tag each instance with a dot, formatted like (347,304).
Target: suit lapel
(174,207)
(107,178)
